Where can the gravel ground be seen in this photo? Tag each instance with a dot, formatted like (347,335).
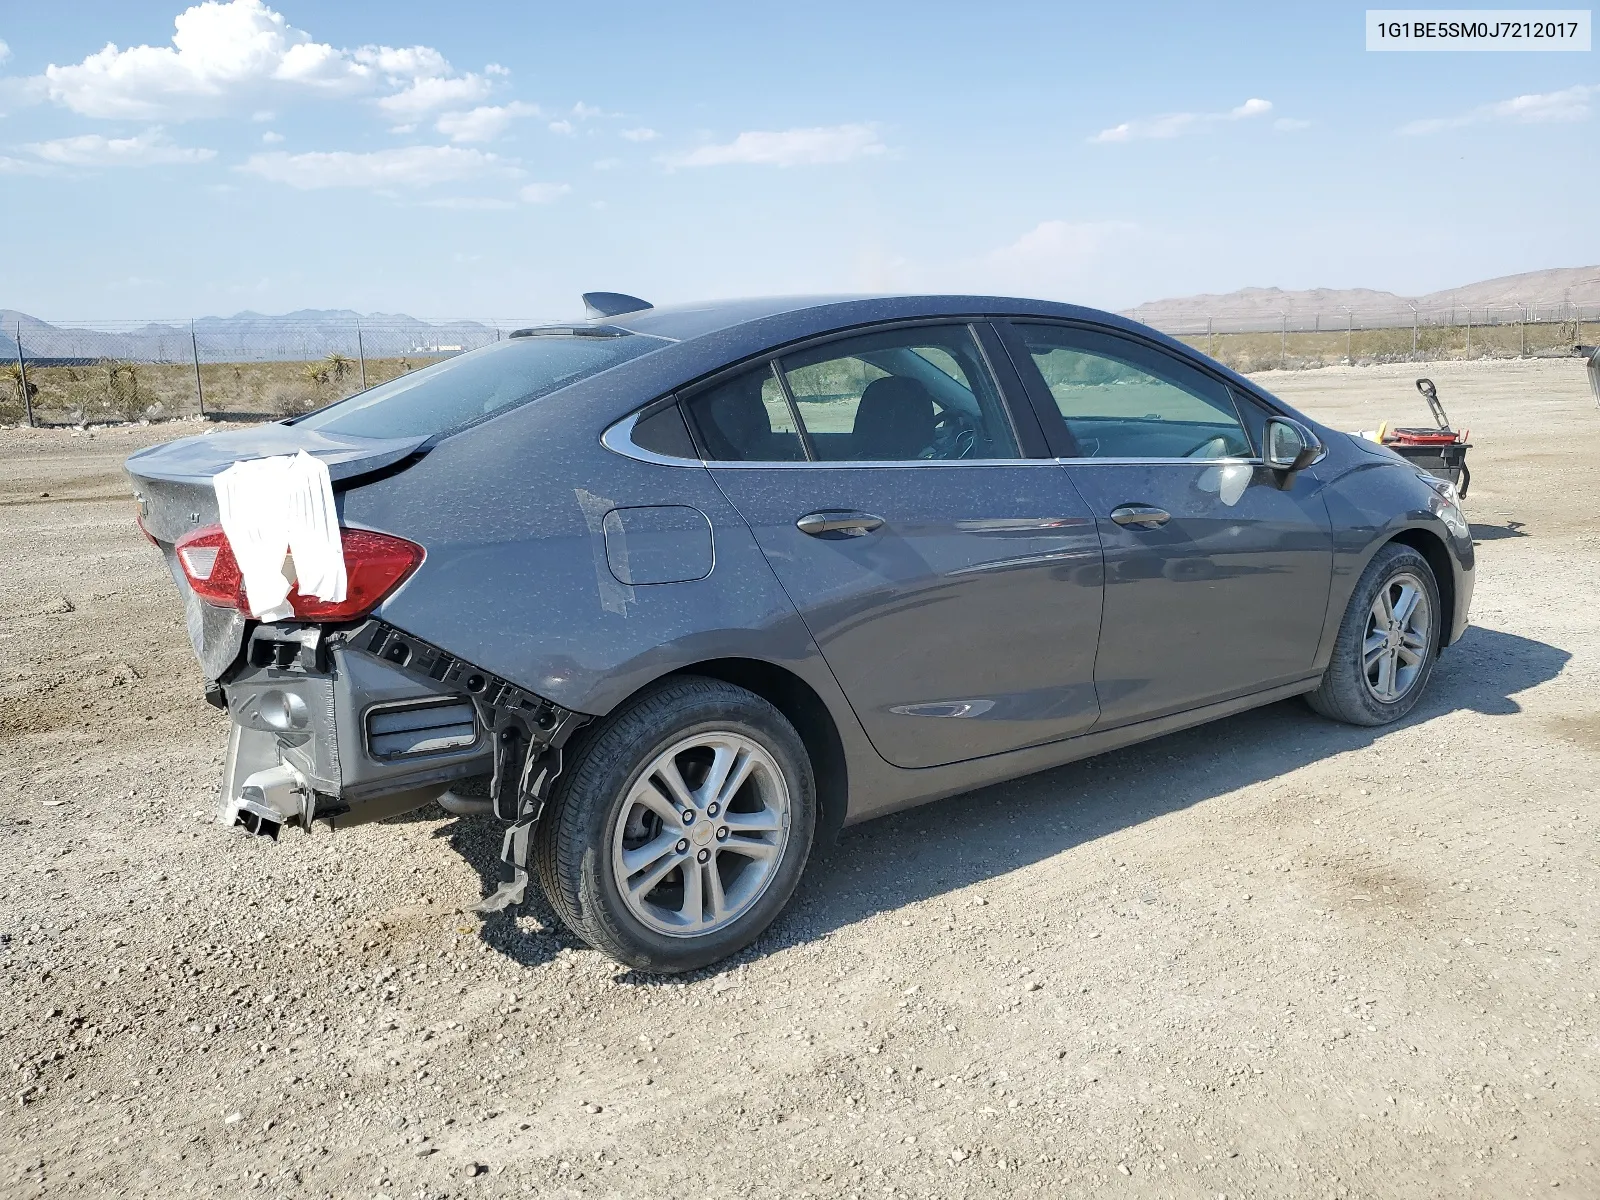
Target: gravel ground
(1271,956)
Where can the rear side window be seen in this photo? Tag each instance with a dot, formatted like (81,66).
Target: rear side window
(901,395)
(459,391)
(747,419)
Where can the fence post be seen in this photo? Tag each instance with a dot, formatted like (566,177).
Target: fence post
(1208,338)
(361,353)
(1469,333)
(1349,334)
(1283,343)
(1415,330)
(1523,325)
(22,372)
(199,391)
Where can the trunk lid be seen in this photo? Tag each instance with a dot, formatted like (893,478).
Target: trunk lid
(172,484)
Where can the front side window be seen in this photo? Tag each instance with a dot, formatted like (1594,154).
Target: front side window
(459,391)
(922,393)
(1122,399)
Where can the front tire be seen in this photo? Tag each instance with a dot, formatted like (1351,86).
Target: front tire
(1387,643)
(681,828)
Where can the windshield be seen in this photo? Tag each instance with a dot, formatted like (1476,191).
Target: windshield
(458,391)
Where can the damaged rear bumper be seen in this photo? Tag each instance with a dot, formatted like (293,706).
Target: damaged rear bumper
(353,725)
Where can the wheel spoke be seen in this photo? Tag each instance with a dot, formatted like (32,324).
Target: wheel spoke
(716,902)
(647,795)
(1375,645)
(1409,655)
(637,859)
(667,771)
(765,821)
(647,881)
(750,848)
(693,910)
(742,766)
(1410,597)
(724,758)
(1386,664)
(1383,610)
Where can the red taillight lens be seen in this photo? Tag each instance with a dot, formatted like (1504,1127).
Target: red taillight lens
(375,564)
(208,563)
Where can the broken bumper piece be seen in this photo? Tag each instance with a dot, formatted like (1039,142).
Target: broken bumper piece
(353,725)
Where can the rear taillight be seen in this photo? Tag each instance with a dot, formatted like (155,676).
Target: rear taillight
(375,564)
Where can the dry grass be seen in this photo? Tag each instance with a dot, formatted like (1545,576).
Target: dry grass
(120,391)
(1247,352)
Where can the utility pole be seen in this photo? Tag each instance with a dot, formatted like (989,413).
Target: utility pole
(1349,332)
(22,372)
(1208,338)
(1283,343)
(1469,333)
(361,353)
(199,391)
(1522,313)
(1415,329)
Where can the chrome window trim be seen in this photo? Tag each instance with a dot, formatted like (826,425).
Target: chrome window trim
(619,440)
(1159,462)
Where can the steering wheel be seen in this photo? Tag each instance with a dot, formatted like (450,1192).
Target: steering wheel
(1213,447)
(953,436)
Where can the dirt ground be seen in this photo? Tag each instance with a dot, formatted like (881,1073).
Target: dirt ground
(1273,956)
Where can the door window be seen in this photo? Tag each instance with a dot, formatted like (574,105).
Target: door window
(1121,399)
(922,393)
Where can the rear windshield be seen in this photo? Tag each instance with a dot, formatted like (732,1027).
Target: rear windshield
(459,391)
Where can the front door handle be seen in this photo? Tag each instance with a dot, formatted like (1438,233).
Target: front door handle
(1146,516)
(851,524)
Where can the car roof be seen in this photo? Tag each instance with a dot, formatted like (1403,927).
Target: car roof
(685,322)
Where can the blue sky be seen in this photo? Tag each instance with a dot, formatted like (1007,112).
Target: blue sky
(496,160)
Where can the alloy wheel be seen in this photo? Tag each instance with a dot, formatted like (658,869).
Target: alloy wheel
(1399,627)
(701,834)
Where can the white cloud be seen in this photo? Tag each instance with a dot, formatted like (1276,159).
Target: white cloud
(150,148)
(470,204)
(1171,125)
(606,164)
(485,123)
(408,166)
(1290,124)
(5,52)
(790,147)
(586,112)
(543,193)
(271,137)
(229,56)
(433,92)
(640,135)
(1054,258)
(561,127)
(1568,104)
(21,166)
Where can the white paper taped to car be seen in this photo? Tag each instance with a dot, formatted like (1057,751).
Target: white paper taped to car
(278,509)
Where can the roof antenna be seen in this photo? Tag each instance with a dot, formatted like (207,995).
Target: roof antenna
(612,304)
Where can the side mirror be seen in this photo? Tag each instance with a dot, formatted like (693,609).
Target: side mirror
(1290,445)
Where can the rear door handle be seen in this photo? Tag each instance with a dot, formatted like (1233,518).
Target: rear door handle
(1147,516)
(852,524)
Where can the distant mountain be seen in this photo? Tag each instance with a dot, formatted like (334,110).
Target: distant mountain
(244,337)
(1545,292)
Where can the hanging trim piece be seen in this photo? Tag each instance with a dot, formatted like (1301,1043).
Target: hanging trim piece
(528,734)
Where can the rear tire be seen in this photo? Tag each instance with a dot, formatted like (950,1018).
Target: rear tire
(1387,642)
(681,828)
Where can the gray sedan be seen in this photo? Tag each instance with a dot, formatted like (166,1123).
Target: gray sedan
(675,593)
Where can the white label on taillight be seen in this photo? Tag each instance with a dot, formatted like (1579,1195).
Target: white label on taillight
(199,561)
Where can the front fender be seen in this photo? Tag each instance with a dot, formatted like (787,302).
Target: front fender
(1375,503)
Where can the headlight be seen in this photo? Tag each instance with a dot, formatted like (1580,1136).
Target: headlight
(1448,506)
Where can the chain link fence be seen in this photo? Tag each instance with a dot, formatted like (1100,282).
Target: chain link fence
(1301,338)
(260,368)
(236,368)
